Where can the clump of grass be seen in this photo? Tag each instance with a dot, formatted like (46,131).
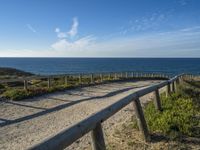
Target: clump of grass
(177,117)
(2,86)
(5,71)
(15,94)
(19,94)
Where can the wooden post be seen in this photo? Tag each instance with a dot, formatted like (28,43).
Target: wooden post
(132,75)
(92,78)
(157,100)
(115,76)
(109,76)
(141,120)
(101,77)
(49,82)
(80,79)
(121,74)
(173,87)
(98,142)
(135,74)
(168,90)
(126,74)
(66,81)
(25,84)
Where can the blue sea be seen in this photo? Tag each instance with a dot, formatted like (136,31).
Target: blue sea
(46,66)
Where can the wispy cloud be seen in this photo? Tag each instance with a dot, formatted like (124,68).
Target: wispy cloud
(150,22)
(71,33)
(182,2)
(74,29)
(66,44)
(180,43)
(80,44)
(31,28)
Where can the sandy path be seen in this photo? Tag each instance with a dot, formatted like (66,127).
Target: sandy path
(23,124)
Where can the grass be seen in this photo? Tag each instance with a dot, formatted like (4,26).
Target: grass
(176,119)
(37,87)
(20,94)
(176,127)
(4,71)
(179,115)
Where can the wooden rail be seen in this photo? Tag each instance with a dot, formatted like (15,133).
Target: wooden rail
(91,77)
(93,122)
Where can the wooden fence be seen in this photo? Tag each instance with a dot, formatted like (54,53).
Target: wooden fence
(94,122)
(81,79)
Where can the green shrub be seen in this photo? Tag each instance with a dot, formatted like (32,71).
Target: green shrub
(15,94)
(2,86)
(19,94)
(177,117)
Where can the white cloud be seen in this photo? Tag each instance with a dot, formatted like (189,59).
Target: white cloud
(65,45)
(167,44)
(71,33)
(182,2)
(74,29)
(31,28)
(61,35)
(57,30)
(180,43)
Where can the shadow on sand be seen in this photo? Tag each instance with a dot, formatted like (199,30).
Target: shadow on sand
(59,107)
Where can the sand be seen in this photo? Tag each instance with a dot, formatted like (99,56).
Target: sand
(28,122)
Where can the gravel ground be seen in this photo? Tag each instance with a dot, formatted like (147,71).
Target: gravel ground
(27,122)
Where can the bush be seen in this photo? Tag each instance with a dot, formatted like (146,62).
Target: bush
(19,94)
(177,117)
(2,86)
(15,94)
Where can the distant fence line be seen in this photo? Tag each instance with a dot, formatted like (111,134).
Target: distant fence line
(94,122)
(90,78)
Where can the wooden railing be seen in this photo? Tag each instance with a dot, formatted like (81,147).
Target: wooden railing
(93,122)
(81,79)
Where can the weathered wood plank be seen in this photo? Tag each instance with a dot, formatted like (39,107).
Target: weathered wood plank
(98,142)
(141,120)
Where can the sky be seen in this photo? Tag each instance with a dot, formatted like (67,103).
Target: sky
(99,28)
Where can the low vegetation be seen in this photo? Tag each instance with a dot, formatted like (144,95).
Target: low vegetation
(4,71)
(176,127)
(176,119)
(19,94)
(15,90)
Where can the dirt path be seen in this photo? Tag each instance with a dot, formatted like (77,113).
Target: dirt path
(25,123)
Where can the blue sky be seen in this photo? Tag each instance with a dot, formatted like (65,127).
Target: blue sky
(99,28)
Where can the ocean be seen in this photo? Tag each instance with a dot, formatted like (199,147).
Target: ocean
(50,66)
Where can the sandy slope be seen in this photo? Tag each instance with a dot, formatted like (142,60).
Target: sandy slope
(25,123)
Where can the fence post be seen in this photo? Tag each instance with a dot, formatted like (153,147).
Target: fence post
(109,76)
(92,78)
(168,89)
(132,75)
(115,76)
(173,87)
(101,77)
(141,120)
(98,142)
(25,84)
(66,82)
(157,100)
(126,74)
(49,82)
(80,79)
